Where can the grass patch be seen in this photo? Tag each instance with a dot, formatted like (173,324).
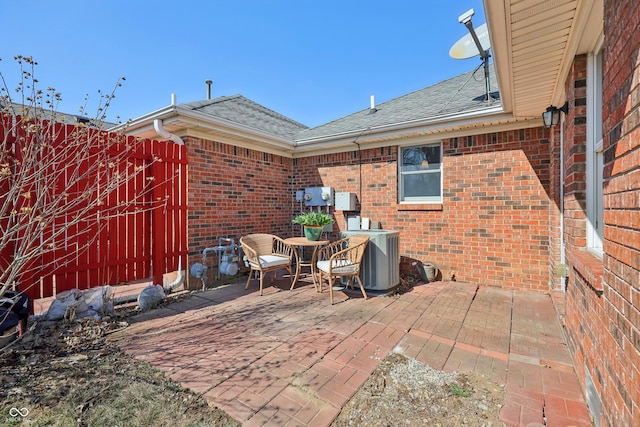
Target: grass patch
(456,390)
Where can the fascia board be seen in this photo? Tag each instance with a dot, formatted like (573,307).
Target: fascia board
(419,125)
(223,131)
(497,13)
(442,133)
(208,122)
(583,11)
(145,122)
(182,122)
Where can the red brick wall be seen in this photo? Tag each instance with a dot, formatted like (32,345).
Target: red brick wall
(603,296)
(622,216)
(493,226)
(234,191)
(575,156)
(584,305)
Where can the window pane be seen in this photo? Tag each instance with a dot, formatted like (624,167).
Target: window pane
(598,98)
(422,185)
(421,158)
(420,174)
(598,202)
(594,160)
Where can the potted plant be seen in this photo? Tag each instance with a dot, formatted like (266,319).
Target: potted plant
(313,223)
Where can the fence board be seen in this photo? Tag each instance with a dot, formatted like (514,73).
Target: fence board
(143,244)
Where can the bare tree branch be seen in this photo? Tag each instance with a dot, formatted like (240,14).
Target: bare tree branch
(61,184)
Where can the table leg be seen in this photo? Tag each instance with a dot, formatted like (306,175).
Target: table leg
(295,278)
(313,270)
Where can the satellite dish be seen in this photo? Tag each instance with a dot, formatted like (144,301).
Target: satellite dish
(466,48)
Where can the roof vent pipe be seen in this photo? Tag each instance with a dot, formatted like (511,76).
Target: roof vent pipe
(208,82)
(157,125)
(173,99)
(372,108)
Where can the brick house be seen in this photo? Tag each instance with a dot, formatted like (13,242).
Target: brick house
(478,186)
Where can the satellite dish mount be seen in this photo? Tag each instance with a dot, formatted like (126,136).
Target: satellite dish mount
(462,49)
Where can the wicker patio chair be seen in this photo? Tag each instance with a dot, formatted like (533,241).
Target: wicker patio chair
(266,253)
(342,259)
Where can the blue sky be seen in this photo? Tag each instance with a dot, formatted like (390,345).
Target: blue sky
(311,61)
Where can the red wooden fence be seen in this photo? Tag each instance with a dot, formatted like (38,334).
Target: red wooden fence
(141,243)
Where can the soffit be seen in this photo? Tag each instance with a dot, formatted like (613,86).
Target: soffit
(534,43)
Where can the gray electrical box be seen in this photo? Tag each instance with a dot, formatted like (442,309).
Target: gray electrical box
(319,196)
(345,202)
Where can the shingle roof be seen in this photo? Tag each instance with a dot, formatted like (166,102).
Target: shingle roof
(243,111)
(457,95)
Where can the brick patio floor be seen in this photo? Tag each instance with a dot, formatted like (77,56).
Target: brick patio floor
(291,358)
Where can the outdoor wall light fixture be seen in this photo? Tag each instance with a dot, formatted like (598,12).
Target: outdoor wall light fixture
(551,117)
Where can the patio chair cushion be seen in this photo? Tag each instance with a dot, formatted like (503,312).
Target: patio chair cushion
(267,261)
(341,267)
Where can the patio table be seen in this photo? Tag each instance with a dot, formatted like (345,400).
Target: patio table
(304,242)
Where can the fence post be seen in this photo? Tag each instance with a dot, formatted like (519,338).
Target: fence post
(158,234)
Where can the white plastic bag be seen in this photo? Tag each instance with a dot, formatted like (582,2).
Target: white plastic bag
(99,299)
(150,297)
(79,304)
(63,301)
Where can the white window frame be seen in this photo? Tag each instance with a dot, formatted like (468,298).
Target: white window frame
(402,173)
(594,151)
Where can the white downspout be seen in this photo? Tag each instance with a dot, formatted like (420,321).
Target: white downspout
(563,260)
(157,125)
(160,130)
(171,286)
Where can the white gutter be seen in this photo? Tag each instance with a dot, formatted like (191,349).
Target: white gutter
(157,123)
(197,121)
(236,129)
(136,123)
(484,115)
(499,25)
(194,119)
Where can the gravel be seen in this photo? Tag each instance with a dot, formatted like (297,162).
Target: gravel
(405,392)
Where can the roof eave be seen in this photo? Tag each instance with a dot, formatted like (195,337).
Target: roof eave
(133,125)
(418,135)
(533,45)
(428,123)
(185,122)
(499,31)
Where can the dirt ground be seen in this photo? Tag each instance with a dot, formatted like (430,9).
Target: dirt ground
(403,391)
(67,373)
